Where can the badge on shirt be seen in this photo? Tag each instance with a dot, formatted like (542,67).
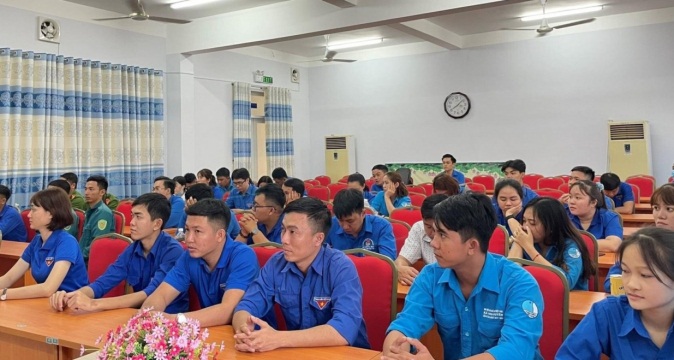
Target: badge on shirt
(368,244)
(574,253)
(102,224)
(321,301)
(530,309)
(49,261)
(223,286)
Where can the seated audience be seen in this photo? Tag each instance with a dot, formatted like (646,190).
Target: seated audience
(547,237)
(165,187)
(620,192)
(53,258)
(516,169)
(418,243)
(142,265)
(293,189)
(445,185)
(483,304)
(357,181)
(352,228)
(279,175)
(11,223)
(265,222)
(98,219)
(640,324)
(587,212)
(76,199)
(584,173)
(71,229)
(198,192)
(317,288)
(507,202)
(181,185)
(378,172)
(264,180)
(219,268)
(205,176)
(448,164)
(224,181)
(394,195)
(190,179)
(243,196)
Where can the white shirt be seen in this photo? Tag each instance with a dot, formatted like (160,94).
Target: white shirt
(418,245)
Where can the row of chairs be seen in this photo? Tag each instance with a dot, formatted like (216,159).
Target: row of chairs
(119,220)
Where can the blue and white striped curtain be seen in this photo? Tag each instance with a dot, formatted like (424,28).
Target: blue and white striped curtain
(60,114)
(243,126)
(278,115)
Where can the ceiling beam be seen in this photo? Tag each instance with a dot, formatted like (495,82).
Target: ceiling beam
(342,3)
(428,31)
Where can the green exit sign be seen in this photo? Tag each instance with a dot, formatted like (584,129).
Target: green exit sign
(267,80)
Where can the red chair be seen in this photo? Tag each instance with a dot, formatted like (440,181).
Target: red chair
(319,192)
(80,225)
(343,180)
(409,216)
(369,182)
(105,250)
(26,222)
(468,180)
(487,180)
(593,249)
(564,188)
(330,206)
(400,231)
(324,180)
(428,187)
(335,188)
(477,187)
(531,180)
(313,182)
(119,221)
(124,207)
(418,189)
(597,178)
(498,243)
(551,193)
(637,193)
(645,184)
(565,178)
(555,290)
(417,199)
(379,278)
(550,182)
(308,185)
(263,252)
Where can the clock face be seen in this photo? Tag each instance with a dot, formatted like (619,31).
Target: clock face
(457,105)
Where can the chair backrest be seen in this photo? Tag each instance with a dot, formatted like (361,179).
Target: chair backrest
(319,192)
(80,225)
(26,222)
(419,189)
(335,188)
(564,188)
(646,184)
(565,178)
(531,180)
(637,193)
(313,182)
(105,249)
(593,249)
(551,193)
(369,182)
(487,180)
(555,290)
(324,180)
(119,221)
(379,278)
(410,216)
(263,252)
(344,179)
(550,182)
(330,206)
(467,180)
(477,187)
(416,199)
(428,187)
(308,185)
(124,207)
(405,175)
(597,178)
(498,243)
(400,232)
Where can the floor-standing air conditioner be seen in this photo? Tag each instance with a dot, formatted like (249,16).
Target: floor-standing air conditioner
(629,148)
(340,156)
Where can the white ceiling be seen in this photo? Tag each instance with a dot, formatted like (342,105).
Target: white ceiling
(296,28)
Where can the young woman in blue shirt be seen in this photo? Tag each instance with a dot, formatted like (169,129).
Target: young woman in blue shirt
(587,211)
(394,196)
(507,202)
(640,324)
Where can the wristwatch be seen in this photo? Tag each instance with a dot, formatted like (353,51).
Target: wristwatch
(510,217)
(3,297)
(254,232)
(181,318)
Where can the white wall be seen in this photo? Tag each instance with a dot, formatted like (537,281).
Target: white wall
(546,101)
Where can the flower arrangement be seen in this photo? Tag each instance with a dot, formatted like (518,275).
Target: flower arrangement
(151,336)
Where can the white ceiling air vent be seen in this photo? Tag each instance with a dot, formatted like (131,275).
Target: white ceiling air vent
(48,30)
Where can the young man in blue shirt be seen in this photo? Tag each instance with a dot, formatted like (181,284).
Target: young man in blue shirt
(317,288)
(142,265)
(219,268)
(242,197)
(98,219)
(448,164)
(352,228)
(279,175)
(378,172)
(166,187)
(620,192)
(516,169)
(224,181)
(11,223)
(583,173)
(483,304)
(264,223)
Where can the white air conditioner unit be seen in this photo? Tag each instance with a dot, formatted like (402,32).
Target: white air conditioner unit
(340,156)
(629,148)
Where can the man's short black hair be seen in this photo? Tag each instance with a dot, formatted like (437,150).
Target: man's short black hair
(381,167)
(585,170)
(429,203)
(610,181)
(5,191)
(168,183)
(316,211)
(279,173)
(516,164)
(199,192)
(241,173)
(216,211)
(180,180)
(157,206)
(222,172)
(61,184)
(190,178)
(296,184)
(272,193)
(356,177)
(470,214)
(347,202)
(450,156)
(70,177)
(100,180)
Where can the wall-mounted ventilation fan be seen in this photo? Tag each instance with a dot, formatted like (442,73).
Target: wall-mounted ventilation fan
(330,55)
(48,30)
(544,29)
(140,15)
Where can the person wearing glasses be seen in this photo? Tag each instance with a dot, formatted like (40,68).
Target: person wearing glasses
(243,195)
(264,223)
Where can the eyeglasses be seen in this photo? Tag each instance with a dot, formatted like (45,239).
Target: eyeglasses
(256,206)
(239,183)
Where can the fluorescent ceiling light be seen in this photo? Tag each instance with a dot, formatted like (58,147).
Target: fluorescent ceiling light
(563,13)
(357,43)
(188,3)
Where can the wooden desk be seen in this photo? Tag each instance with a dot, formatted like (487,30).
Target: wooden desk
(580,303)
(10,252)
(645,199)
(637,220)
(606,260)
(643,208)
(627,231)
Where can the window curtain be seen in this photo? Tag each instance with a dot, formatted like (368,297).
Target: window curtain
(278,116)
(60,114)
(242,132)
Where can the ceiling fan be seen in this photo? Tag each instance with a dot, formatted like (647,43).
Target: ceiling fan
(330,55)
(139,14)
(544,29)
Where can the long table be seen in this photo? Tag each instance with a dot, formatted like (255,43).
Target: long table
(637,220)
(30,329)
(10,252)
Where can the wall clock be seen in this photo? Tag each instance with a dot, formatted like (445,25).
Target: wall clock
(457,105)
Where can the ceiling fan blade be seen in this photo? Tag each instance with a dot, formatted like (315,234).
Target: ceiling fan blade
(168,20)
(330,54)
(579,22)
(343,60)
(114,18)
(517,29)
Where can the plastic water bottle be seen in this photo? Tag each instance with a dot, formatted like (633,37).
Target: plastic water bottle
(0,235)
(671,179)
(180,235)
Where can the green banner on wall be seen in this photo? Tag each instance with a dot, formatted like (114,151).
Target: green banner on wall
(425,172)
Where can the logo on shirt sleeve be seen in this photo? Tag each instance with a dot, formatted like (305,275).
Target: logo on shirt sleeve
(49,261)
(530,309)
(102,224)
(321,301)
(574,253)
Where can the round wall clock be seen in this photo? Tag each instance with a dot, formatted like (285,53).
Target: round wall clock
(457,105)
